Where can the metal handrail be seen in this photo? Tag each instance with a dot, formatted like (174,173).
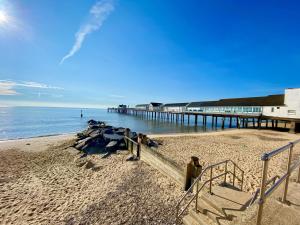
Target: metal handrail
(196,182)
(266,193)
(273,179)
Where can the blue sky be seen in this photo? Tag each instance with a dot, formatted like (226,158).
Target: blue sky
(140,51)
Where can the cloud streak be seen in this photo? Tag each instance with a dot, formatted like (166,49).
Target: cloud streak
(97,15)
(7,87)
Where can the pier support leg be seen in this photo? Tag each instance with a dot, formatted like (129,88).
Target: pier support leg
(223,122)
(230,122)
(188,119)
(196,120)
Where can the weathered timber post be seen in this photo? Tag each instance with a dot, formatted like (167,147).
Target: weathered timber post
(273,125)
(139,146)
(253,120)
(267,121)
(216,124)
(196,119)
(127,132)
(276,123)
(188,119)
(193,170)
(292,127)
(212,121)
(230,122)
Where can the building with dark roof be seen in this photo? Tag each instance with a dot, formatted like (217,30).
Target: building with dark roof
(175,107)
(155,106)
(253,105)
(142,106)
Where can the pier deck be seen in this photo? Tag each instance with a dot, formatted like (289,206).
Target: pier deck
(238,120)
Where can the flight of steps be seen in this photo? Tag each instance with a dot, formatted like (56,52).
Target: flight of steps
(224,206)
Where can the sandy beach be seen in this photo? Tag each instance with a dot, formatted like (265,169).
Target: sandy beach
(244,147)
(43,182)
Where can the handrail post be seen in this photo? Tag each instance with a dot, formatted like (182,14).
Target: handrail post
(262,188)
(288,174)
(225,172)
(210,181)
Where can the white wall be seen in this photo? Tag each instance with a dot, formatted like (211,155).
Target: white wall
(174,109)
(291,108)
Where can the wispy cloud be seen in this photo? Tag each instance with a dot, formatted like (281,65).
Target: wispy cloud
(97,15)
(7,87)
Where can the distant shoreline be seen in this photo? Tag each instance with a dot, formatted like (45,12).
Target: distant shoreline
(39,136)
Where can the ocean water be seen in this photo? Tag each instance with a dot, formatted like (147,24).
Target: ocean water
(24,122)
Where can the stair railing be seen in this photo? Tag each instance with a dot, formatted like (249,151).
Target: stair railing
(199,188)
(264,193)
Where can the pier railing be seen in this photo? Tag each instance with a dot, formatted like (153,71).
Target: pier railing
(264,193)
(201,184)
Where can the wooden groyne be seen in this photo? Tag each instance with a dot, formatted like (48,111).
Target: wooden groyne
(222,120)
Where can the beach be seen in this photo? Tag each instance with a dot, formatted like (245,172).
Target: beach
(41,182)
(244,147)
(44,181)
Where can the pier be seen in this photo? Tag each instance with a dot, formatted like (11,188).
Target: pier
(222,120)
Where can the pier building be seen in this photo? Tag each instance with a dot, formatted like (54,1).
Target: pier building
(175,107)
(283,108)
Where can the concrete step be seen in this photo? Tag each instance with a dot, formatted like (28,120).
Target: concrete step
(201,218)
(226,199)
(211,212)
(190,220)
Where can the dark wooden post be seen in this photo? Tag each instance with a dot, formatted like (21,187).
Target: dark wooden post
(127,133)
(216,123)
(273,125)
(139,146)
(267,123)
(188,119)
(253,120)
(230,122)
(196,119)
(212,121)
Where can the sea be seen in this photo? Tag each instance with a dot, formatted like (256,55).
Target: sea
(25,122)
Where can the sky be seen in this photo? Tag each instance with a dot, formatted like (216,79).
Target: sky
(89,53)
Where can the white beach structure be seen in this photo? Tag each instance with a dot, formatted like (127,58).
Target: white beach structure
(175,107)
(290,107)
(283,106)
